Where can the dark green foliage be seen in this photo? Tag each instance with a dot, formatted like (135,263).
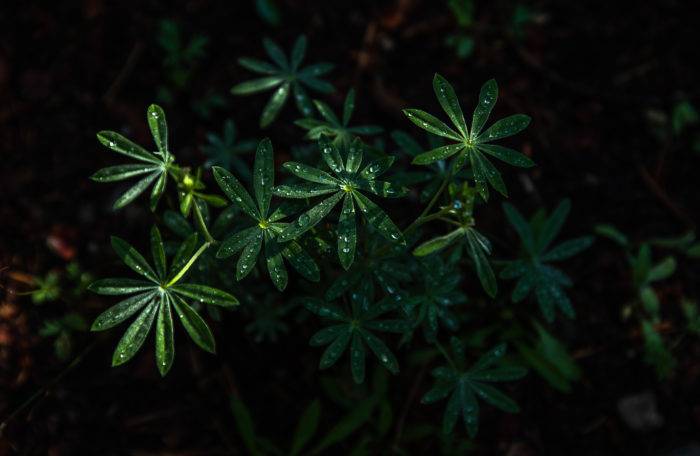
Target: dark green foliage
(225,150)
(385,286)
(471,145)
(155,298)
(464,386)
(355,328)
(330,125)
(533,271)
(285,76)
(268,225)
(348,183)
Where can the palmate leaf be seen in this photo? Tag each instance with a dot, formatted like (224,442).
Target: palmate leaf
(471,146)
(154,165)
(331,126)
(355,330)
(348,184)
(532,272)
(264,236)
(153,300)
(464,386)
(284,76)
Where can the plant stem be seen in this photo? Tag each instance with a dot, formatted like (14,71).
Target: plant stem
(188,265)
(201,224)
(447,357)
(420,220)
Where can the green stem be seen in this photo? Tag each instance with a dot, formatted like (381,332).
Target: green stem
(417,222)
(188,265)
(201,224)
(447,357)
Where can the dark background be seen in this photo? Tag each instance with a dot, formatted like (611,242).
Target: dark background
(593,76)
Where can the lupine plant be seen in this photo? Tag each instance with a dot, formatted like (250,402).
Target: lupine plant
(334,220)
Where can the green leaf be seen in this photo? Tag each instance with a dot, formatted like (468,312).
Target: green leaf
(495,397)
(450,103)
(437,154)
(159,129)
(378,219)
(121,172)
(244,425)
(523,286)
(134,336)
(132,258)
(348,106)
(487,100)
(381,351)
(310,218)
(335,349)
(195,326)
(301,97)
(326,112)
(298,52)
(256,85)
(119,286)
(120,144)
(158,190)
(507,155)
(311,174)
(275,53)
(521,226)
(121,311)
(304,190)
(133,192)
(489,358)
(158,252)
(301,261)
(568,249)
(327,335)
(306,428)
(275,264)
(264,175)
(377,167)
(205,294)
(249,255)
(347,233)
(553,225)
(324,310)
(274,105)
(357,358)
(165,338)
(481,263)
(236,242)
(431,123)
(330,154)
(612,233)
(354,159)
(233,189)
(662,270)
(487,170)
(438,243)
(257,66)
(504,128)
